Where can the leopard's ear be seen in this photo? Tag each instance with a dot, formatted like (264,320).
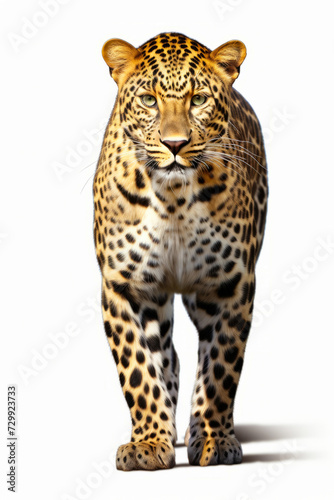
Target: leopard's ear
(229,57)
(118,54)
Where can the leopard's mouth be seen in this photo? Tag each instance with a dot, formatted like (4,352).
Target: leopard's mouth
(174,167)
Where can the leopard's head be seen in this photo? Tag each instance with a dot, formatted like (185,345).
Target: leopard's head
(173,96)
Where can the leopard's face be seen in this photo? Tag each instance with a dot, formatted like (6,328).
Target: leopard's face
(157,116)
(173,99)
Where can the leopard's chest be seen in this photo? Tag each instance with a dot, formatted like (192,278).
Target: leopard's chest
(178,255)
(189,254)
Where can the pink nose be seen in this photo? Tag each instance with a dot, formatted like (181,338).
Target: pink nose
(174,146)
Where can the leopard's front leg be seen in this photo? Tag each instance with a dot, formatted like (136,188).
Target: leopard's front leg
(223,321)
(137,330)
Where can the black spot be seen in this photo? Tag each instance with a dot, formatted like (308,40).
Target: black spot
(208,414)
(245,289)
(113,309)
(142,402)
(125,316)
(129,336)
(134,199)
(130,238)
(238,365)
(206,333)
(210,391)
(163,416)
(209,259)
(229,266)
(165,363)
(214,352)
(139,179)
(122,379)
(206,193)
(218,371)
(233,390)
(205,365)
(149,277)
(115,355)
(228,380)
(135,378)
(245,331)
(164,327)
(216,247)
(124,361)
(153,343)
(129,399)
(220,405)
(227,288)
(231,354)
(107,328)
(260,194)
(136,257)
(148,315)
(123,289)
(156,392)
(127,351)
(218,326)
(151,371)
(209,307)
(140,356)
(223,339)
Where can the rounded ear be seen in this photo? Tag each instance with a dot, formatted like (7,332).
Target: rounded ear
(230,56)
(118,54)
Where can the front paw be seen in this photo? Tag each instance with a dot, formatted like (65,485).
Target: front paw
(213,451)
(145,455)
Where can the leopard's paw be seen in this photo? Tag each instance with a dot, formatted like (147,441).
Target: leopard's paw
(145,455)
(213,451)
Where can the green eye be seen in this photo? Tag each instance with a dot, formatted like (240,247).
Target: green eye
(148,100)
(198,99)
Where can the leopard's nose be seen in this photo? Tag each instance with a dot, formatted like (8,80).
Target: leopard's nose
(175,146)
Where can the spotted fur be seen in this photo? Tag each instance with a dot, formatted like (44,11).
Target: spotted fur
(180,196)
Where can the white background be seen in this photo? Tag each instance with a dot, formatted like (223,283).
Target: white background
(56,99)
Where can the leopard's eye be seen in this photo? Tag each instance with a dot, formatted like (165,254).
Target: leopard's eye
(148,100)
(198,99)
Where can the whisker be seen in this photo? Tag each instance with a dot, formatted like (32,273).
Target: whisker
(217,160)
(241,158)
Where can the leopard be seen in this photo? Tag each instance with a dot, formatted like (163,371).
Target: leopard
(180,201)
